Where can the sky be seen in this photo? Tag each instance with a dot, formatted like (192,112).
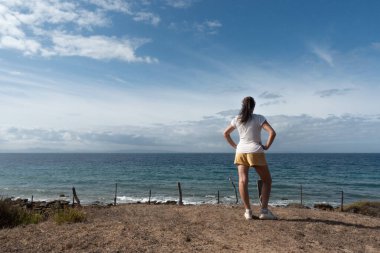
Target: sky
(169,75)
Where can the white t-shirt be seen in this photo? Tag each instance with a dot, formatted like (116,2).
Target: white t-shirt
(250,134)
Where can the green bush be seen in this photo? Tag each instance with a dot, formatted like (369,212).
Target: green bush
(69,215)
(11,216)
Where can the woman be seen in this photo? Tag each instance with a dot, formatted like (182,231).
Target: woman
(250,153)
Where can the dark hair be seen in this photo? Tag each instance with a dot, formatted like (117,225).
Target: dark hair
(247,106)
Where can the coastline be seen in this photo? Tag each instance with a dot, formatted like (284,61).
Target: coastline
(67,201)
(197,228)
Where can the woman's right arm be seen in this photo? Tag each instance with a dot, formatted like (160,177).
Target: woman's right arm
(227,136)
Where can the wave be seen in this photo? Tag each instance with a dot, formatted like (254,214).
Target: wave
(208,199)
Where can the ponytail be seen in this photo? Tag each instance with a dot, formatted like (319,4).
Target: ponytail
(247,107)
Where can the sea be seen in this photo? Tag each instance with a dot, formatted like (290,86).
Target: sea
(97,178)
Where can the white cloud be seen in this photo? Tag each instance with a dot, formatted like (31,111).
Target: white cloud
(147,17)
(38,28)
(9,23)
(28,46)
(113,5)
(90,19)
(38,13)
(213,24)
(208,26)
(180,3)
(98,47)
(324,55)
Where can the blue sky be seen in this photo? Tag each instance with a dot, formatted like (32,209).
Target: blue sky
(168,76)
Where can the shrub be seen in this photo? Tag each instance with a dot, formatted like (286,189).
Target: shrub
(364,207)
(11,216)
(69,215)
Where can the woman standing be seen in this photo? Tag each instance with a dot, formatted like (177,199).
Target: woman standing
(250,153)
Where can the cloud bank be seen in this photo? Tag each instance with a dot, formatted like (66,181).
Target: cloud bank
(303,133)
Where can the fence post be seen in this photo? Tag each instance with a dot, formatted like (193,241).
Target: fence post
(236,195)
(150,194)
(75,197)
(341,202)
(301,196)
(218,198)
(180,194)
(114,200)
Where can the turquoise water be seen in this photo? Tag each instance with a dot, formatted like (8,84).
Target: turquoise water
(323,177)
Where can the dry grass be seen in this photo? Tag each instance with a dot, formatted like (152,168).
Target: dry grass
(205,228)
(11,216)
(365,208)
(69,215)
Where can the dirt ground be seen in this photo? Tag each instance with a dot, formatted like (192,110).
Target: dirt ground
(204,228)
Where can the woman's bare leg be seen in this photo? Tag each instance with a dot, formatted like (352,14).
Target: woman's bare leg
(243,185)
(265,176)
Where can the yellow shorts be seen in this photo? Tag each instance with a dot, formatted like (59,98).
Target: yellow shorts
(250,159)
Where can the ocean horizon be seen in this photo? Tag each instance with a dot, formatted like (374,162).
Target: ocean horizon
(323,177)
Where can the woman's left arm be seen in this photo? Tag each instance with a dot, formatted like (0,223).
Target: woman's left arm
(227,136)
(272,134)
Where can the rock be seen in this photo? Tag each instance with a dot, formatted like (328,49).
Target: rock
(97,203)
(326,207)
(42,204)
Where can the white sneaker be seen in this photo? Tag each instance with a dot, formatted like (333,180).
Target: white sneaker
(265,214)
(248,215)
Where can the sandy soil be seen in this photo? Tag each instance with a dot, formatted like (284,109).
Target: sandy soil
(206,228)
